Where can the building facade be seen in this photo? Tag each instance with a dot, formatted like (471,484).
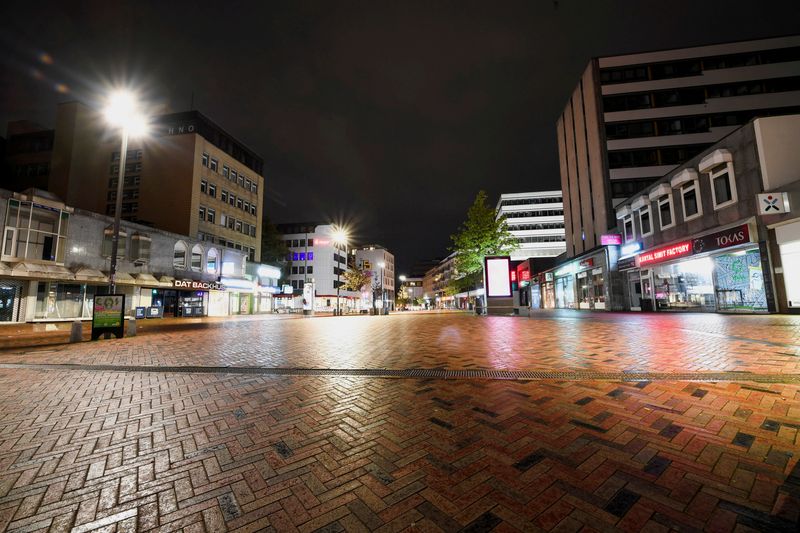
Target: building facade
(632,118)
(55,258)
(27,155)
(536,220)
(436,281)
(380,263)
(316,258)
(187,176)
(721,233)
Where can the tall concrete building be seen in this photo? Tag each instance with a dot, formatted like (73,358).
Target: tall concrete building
(188,176)
(380,262)
(632,118)
(536,220)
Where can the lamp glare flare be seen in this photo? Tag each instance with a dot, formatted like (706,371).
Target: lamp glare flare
(123,111)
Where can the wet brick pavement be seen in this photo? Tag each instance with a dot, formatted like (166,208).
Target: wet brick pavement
(86,450)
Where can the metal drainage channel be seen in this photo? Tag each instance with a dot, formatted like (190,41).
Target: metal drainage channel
(432,373)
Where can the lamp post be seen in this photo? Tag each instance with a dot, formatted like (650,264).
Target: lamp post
(122,112)
(403,291)
(383,289)
(339,237)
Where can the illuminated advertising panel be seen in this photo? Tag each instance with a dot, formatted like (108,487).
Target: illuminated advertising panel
(666,253)
(498,277)
(613,239)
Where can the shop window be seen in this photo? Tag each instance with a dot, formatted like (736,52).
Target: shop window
(723,186)
(692,206)
(665,212)
(212,261)
(140,248)
(197,257)
(179,255)
(108,240)
(628,228)
(645,221)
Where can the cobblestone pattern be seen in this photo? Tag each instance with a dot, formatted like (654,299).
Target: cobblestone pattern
(117,451)
(555,342)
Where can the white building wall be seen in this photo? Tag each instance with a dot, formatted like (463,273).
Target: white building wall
(548,241)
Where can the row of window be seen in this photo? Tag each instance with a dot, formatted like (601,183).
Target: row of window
(697,95)
(130,181)
(693,67)
(541,213)
(130,155)
(682,125)
(139,249)
(129,167)
(209,215)
(669,155)
(300,256)
(546,225)
(127,194)
(303,270)
(542,238)
(181,254)
(128,208)
(31,170)
(228,197)
(627,188)
(531,201)
(723,194)
(229,173)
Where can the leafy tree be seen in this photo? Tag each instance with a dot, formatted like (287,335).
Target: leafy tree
(355,279)
(273,248)
(480,235)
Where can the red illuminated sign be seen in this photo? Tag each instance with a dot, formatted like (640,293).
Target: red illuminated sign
(664,254)
(526,275)
(513,276)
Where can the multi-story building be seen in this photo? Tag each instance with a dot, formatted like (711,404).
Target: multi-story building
(187,176)
(722,231)
(536,220)
(380,263)
(28,153)
(634,117)
(317,258)
(55,258)
(413,288)
(436,281)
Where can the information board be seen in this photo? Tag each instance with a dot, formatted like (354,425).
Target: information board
(108,315)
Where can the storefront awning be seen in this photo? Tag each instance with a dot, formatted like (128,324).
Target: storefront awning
(38,270)
(143,278)
(88,274)
(5,268)
(125,278)
(166,281)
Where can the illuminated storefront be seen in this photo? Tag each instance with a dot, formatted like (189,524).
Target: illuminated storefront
(579,284)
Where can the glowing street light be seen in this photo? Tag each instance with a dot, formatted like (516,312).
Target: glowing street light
(122,111)
(340,238)
(383,289)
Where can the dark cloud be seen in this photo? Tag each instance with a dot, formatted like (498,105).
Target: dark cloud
(390,115)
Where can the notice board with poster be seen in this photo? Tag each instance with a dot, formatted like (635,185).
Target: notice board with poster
(108,315)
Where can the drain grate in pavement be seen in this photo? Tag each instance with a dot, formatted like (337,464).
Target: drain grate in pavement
(421,373)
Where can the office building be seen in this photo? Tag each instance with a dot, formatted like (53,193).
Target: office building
(187,176)
(536,220)
(380,263)
(634,117)
(28,152)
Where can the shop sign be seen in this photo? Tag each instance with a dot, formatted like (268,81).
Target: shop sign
(586,263)
(288,289)
(630,249)
(664,254)
(198,285)
(773,203)
(722,239)
(548,276)
(597,271)
(108,315)
(613,239)
(626,264)
(526,275)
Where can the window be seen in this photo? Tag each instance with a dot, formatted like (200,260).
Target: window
(211,215)
(140,248)
(205,159)
(302,243)
(224,195)
(309,269)
(310,256)
(214,164)
(295,256)
(239,226)
(252,231)
(241,180)
(294,270)
(295,243)
(108,242)
(310,241)
(223,219)
(225,171)
(301,270)
(202,213)
(247,184)
(231,199)
(665,214)
(197,257)
(627,228)
(247,207)
(239,203)
(723,187)
(253,212)
(233,175)
(203,186)
(645,221)
(231,222)
(302,256)
(692,208)
(254,187)
(212,261)
(179,255)
(212,191)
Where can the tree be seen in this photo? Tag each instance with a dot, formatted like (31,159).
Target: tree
(273,248)
(482,234)
(355,279)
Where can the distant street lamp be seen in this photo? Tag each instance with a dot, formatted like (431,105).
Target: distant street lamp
(339,237)
(122,112)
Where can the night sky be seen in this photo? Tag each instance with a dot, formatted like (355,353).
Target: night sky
(388,116)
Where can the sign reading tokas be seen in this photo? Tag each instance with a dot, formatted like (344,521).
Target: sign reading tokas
(666,253)
(198,285)
(722,239)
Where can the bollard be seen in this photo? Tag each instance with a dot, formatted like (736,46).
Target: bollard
(76,334)
(131,327)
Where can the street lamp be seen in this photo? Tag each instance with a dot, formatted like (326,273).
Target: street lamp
(402,288)
(383,288)
(122,111)
(339,237)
